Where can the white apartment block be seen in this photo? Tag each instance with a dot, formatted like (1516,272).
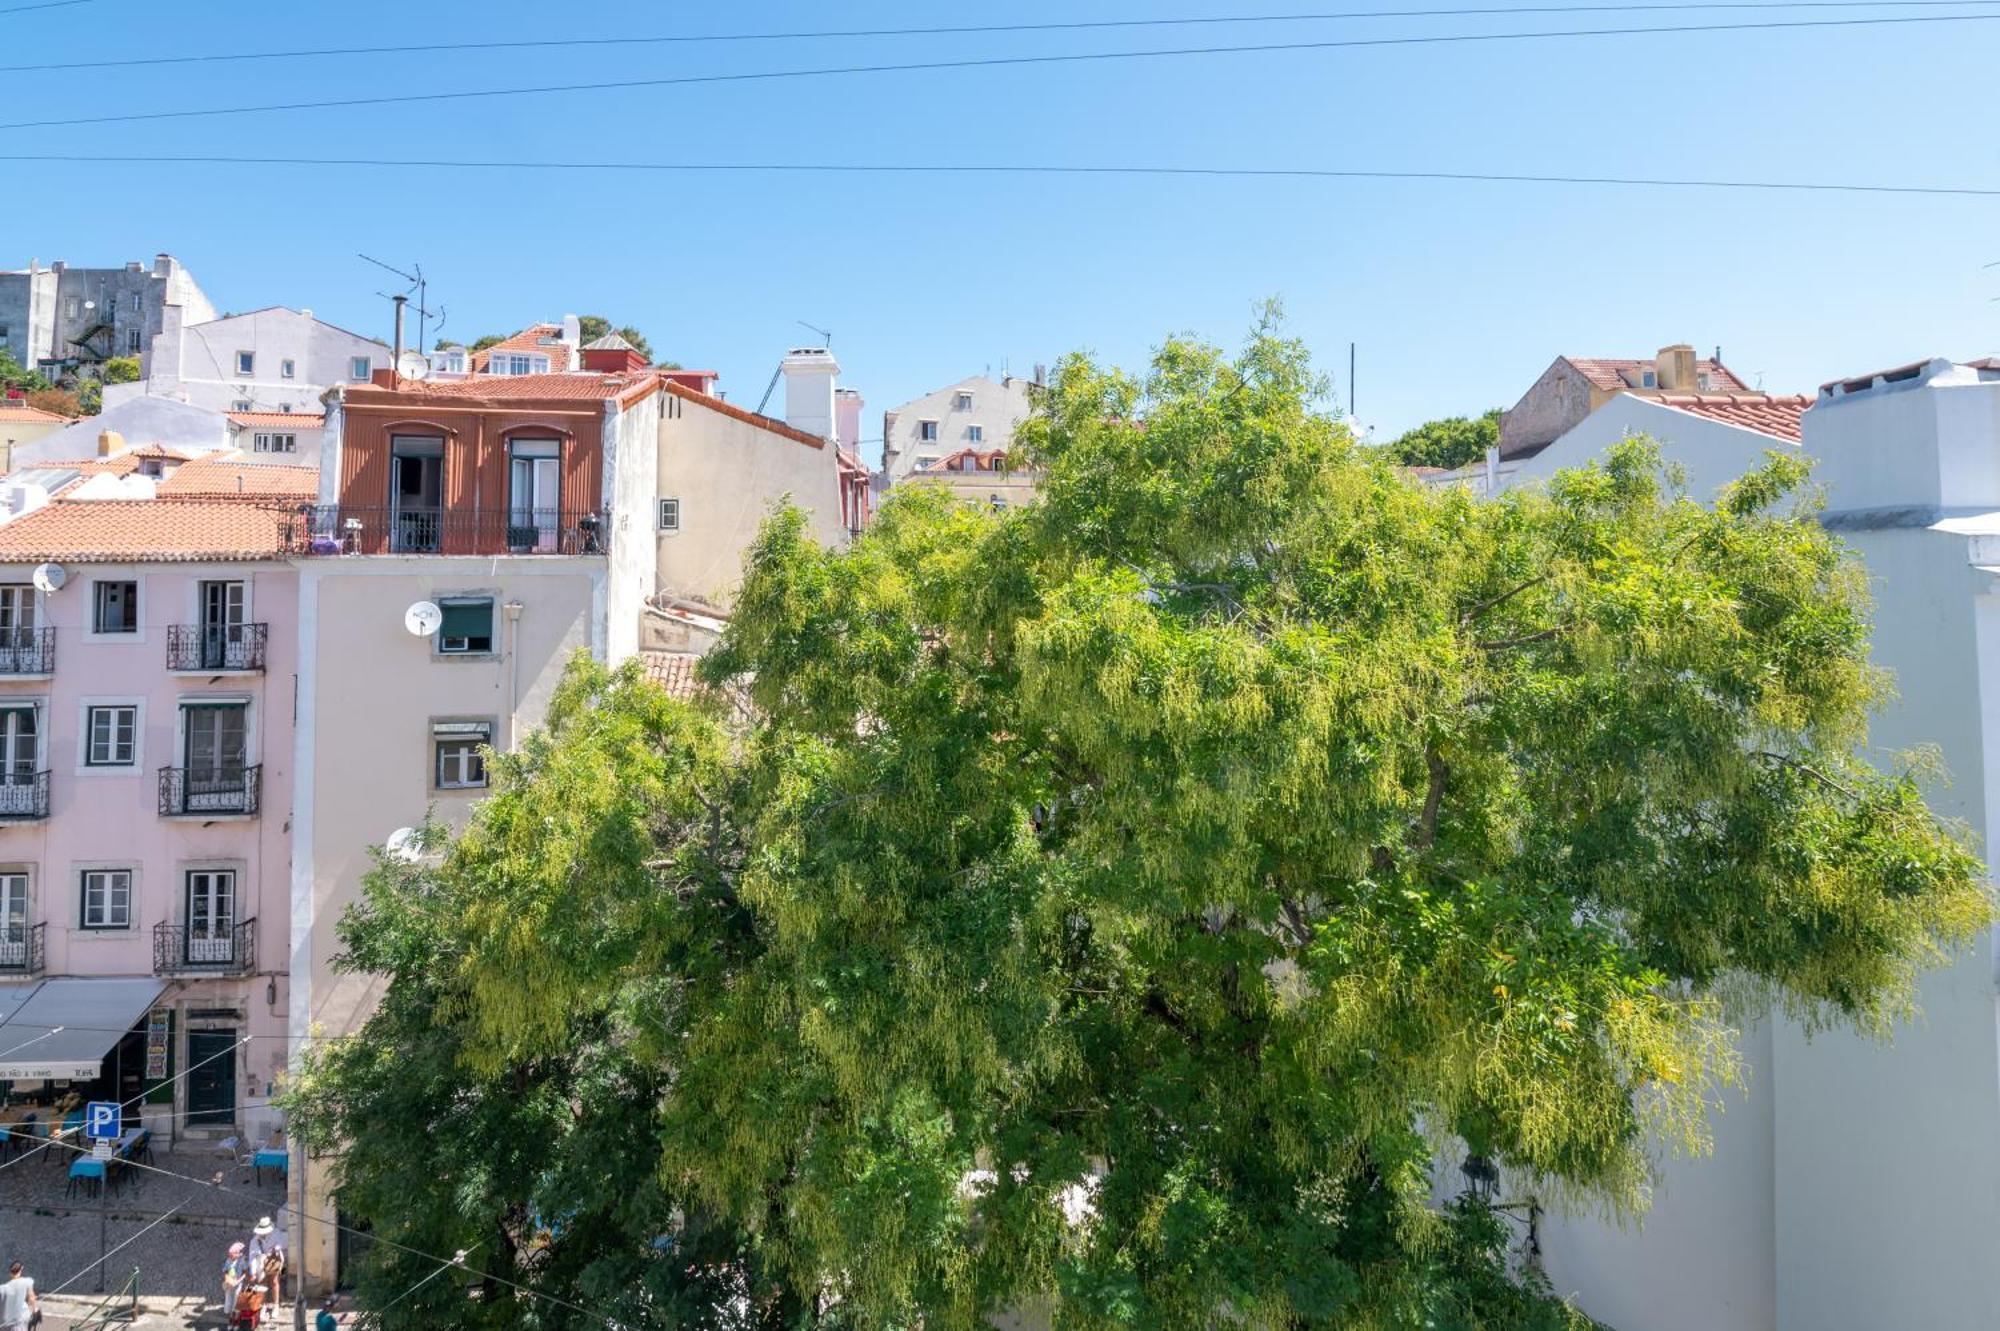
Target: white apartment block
(976,413)
(274,360)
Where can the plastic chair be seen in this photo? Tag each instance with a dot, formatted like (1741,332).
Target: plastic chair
(90,1173)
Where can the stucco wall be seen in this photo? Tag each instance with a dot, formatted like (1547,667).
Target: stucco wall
(1710,453)
(996,407)
(142,421)
(728,475)
(1553,404)
(631,484)
(196,362)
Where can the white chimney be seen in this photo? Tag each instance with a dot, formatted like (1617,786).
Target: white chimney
(572,336)
(809,398)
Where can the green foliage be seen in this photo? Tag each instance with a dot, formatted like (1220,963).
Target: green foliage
(14,375)
(1120,906)
(1450,443)
(120,370)
(491,339)
(594,326)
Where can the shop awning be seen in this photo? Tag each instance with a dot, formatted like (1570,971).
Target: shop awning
(63,1029)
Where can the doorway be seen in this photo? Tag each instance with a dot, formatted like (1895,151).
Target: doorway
(211,1078)
(221,625)
(416,495)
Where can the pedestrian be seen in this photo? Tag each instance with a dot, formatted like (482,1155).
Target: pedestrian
(234,1272)
(19,1308)
(328,1319)
(267,1245)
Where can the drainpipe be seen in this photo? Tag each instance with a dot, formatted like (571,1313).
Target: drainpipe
(513,609)
(396,359)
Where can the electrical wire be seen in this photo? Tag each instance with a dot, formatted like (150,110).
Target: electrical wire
(47,4)
(55,1133)
(983,62)
(982,29)
(837,168)
(105,1256)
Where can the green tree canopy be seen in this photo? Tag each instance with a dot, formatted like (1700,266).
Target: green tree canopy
(491,339)
(1451,442)
(14,375)
(594,326)
(1125,906)
(121,370)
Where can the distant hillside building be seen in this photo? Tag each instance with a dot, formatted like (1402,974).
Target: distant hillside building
(1575,386)
(275,359)
(976,413)
(59,318)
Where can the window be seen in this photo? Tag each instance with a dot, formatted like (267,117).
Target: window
(211,914)
(517,363)
(534,494)
(670,515)
(287,369)
(1701,381)
(241,404)
(975,434)
(20,751)
(13,921)
(964,402)
(113,736)
(276,443)
(116,607)
(71,308)
(1649,380)
(111,308)
(246,362)
(357,369)
(927,432)
(467,627)
(107,898)
(132,341)
(458,760)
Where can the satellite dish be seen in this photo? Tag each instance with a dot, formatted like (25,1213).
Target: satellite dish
(413,365)
(423,618)
(405,844)
(50,577)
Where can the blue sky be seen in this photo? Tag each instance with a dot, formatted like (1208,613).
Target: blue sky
(1458,294)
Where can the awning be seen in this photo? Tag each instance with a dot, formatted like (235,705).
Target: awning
(63,1029)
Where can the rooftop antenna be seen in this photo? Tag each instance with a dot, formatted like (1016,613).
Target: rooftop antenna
(1350,381)
(821,331)
(419,287)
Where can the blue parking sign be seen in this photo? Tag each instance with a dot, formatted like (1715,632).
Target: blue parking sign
(101,1121)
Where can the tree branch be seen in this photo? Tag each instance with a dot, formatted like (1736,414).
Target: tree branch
(1808,769)
(1508,644)
(1493,601)
(1426,830)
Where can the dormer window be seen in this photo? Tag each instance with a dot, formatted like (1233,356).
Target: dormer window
(1649,379)
(1703,381)
(963,402)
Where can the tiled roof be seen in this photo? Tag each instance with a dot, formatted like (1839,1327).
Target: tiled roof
(609,342)
(1774,416)
(578,386)
(122,465)
(1610,375)
(266,420)
(735,412)
(135,530)
(674,672)
(528,339)
(985,459)
(20,413)
(230,475)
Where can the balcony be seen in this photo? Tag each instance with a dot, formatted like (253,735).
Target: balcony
(21,949)
(329,529)
(24,796)
(179,950)
(216,649)
(207,793)
(27,652)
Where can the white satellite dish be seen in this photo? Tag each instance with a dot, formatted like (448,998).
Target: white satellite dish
(405,844)
(414,365)
(423,618)
(50,577)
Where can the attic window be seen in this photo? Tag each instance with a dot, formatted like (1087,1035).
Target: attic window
(927,432)
(964,402)
(1702,381)
(1649,379)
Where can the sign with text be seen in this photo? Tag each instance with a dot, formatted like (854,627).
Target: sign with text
(103,1121)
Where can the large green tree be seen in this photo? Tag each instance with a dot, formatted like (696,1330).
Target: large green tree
(1450,442)
(1129,907)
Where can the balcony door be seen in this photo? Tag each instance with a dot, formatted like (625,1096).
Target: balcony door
(534,490)
(20,744)
(18,621)
(211,916)
(13,921)
(416,494)
(215,750)
(221,624)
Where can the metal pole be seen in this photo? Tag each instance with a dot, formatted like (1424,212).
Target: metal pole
(298,1252)
(103,1187)
(396,365)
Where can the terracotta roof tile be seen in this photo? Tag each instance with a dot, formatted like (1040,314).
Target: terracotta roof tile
(264,420)
(1777,417)
(124,464)
(144,530)
(1610,375)
(577,386)
(20,413)
(528,339)
(229,476)
(674,672)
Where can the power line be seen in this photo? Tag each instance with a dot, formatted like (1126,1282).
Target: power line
(55,1133)
(987,62)
(47,4)
(1220,172)
(983,29)
(106,1256)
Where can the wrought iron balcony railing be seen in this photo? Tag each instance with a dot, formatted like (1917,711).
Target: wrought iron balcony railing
(179,949)
(203,792)
(21,949)
(24,796)
(27,651)
(206,647)
(339,529)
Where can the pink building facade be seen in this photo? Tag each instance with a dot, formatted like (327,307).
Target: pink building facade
(147,665)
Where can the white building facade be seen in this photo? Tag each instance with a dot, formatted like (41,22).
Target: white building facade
(976,413)
(274,360)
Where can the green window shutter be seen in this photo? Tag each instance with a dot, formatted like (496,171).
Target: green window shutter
(467,619)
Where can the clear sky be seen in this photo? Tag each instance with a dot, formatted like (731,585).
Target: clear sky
(1458,294)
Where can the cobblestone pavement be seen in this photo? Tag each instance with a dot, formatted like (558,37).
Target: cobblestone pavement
(179,1259)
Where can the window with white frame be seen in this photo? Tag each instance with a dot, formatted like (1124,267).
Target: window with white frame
(964,402)
(114,606)
(287,369)
(515,362)
(111,736)
(211,915)
(927,432)
(242,404)
(458,754)
(670,515)
(1701,381)
(358,368)
(246,362)
(133,339)
(107,899)
(276,443)
(1649,379)
(975,434)
(466,628)
(13,920)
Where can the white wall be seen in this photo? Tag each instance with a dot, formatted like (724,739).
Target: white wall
(996,407)
(142,421)
(631,481)
(196,362)
(1711,452)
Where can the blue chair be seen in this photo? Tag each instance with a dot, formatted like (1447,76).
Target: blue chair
(90,1173)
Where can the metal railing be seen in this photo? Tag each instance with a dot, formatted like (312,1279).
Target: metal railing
(179,949)
(23,796)
(27,651)
(196,793)
(21,948)
(216,646)
(339,529)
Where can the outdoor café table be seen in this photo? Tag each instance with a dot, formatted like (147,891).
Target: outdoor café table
(270,1157)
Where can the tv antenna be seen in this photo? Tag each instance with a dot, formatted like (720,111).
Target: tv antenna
(420,288)
(817,329)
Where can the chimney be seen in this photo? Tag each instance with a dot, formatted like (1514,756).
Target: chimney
(809,374)
(572,336)
(847,414)
(110,443)
(163,265)
(1675,367)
